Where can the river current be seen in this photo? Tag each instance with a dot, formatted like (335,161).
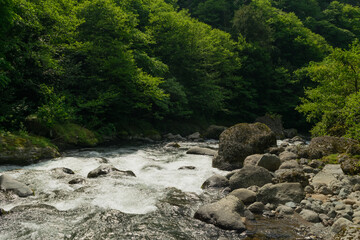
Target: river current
(159,203)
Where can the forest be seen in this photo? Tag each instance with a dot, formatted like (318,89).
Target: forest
(120,67)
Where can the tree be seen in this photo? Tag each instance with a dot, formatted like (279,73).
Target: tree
(338,83)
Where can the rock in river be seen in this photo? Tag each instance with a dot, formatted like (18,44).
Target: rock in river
(240,141)
(9,183)
(201,151)
(106,169)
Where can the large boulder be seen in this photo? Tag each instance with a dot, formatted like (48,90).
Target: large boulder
(213,132)
(201,151)
(326,145)
(226,213)
(281,193)
(274,123)
(249,176)
(8,183)
(19,150)
(240,141)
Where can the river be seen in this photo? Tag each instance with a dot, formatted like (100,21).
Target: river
(159,203)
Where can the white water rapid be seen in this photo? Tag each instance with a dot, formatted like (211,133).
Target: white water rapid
(156,169)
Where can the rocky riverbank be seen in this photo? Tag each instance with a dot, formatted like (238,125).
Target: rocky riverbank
(296,188)
(291,180)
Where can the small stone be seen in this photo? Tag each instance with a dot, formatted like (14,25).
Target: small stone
(309,189)
(257,207)
(310,216)
(291,204)
(284,210)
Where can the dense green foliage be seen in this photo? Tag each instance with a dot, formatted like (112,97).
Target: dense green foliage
(111,64)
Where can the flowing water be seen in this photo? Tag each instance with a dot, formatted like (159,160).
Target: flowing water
(159,203)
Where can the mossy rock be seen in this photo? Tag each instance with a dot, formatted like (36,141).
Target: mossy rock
(25,149)
(70,134)
(327,145)
(240,141)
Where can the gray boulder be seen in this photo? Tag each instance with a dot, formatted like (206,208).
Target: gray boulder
(240,141)
(8,183)
(280,193)
(225,213)
(269,161)
(107,169)
(244,195)
(201,151)
(249,176)
(215,181)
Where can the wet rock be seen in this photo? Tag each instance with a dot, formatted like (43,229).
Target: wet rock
(213,132)
(61,170)
(172,145)
(201,151)
(106,169)
(340,225)
(244,195)
(286,156)
(187,168)
(326,145)
(269,161)
(310,216)
(226,214)
(8,183)
(248,176)
(215,181)
(281,193)
(257,207)
(240,141)
(77,181)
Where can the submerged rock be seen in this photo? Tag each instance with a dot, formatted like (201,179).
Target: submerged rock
(240,141)
(226,213)
(8,183)
(106,169)
(77,181)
